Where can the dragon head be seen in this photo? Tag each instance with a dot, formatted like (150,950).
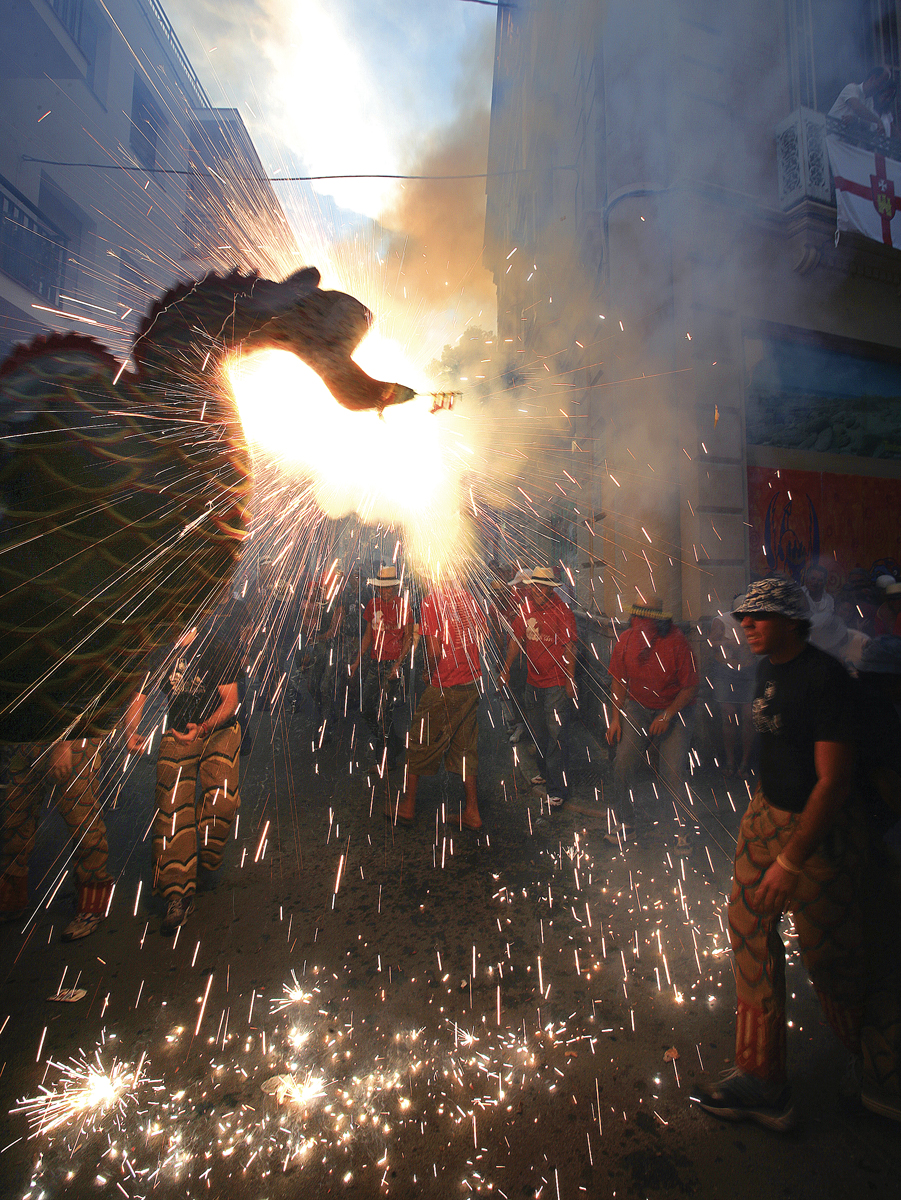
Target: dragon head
(323,328)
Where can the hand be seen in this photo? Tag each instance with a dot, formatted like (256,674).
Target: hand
(504,678)
(186,738)
(352,669)
(570,686)
(136,744)
(659,725)
(614,731)
(59,761)
(774,891)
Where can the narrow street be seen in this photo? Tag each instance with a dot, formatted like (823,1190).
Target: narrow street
(367,1010)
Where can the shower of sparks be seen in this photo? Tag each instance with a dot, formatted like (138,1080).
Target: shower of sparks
(85,1093)
(482,466)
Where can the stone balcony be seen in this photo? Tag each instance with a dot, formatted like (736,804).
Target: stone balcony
(807,198)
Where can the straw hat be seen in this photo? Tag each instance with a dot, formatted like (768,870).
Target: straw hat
(543,576)
(653,610)
(387,577)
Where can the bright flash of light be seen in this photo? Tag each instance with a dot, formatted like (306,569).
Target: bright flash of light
(84,1090)
(293,994)
(403,467)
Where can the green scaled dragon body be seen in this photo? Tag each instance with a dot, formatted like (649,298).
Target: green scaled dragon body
(125,494)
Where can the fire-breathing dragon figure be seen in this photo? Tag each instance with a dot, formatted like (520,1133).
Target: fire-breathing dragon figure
(124,495)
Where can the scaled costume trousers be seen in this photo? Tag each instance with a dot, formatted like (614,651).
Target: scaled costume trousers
(549,712)
(25,781)
(323,680)
(188,826)
(848,940)
(380,697)
(633,750)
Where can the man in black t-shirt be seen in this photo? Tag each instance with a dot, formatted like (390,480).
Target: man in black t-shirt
(802,847)
(202,739)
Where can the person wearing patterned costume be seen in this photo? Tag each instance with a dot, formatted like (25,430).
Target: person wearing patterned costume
(388,638)
(202,742)
(323,621)
(804,847)
(70,769)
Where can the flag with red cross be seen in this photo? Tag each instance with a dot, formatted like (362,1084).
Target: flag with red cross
(867,191)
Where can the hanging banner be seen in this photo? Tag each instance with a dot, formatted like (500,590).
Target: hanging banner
(848,521)
(867,191)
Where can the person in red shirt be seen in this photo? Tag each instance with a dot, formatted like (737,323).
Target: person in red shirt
(388,638)
(545,629)
(654,685)
(445,725)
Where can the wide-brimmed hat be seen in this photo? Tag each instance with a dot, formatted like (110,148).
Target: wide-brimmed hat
(543,576)
(652,610)
(778,595)
(387,577)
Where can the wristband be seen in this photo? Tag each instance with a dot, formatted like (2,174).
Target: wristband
(787,866)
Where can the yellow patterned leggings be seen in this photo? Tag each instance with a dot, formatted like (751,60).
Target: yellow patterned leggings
(845,937)
(24,784)
(188,826)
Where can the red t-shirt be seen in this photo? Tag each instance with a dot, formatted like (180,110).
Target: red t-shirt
(544,633)
(388,618)
(455,619)
(654,675)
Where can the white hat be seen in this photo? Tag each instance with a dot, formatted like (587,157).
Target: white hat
(544,576)
(885,581)
(387,578)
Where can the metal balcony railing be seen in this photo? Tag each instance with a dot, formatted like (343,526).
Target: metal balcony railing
(32,249)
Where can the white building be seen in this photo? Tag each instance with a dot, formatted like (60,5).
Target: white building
(661,229)
(106,143)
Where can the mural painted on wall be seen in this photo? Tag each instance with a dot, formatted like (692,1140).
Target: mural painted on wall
(806,397)
(850,522)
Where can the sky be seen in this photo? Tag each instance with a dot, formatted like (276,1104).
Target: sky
(342,86)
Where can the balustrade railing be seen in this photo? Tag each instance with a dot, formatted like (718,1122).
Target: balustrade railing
(32,249)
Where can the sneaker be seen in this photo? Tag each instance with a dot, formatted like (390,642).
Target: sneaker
(537,781)
(619,834)
(556,801)
(742,1097)
(180,908)
(83,925)
(877,1100)
(516,733)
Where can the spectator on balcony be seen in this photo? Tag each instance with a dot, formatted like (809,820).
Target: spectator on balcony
(856,102)
(884,104)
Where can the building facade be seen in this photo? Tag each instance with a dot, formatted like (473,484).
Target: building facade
(117,175)
(661,227)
